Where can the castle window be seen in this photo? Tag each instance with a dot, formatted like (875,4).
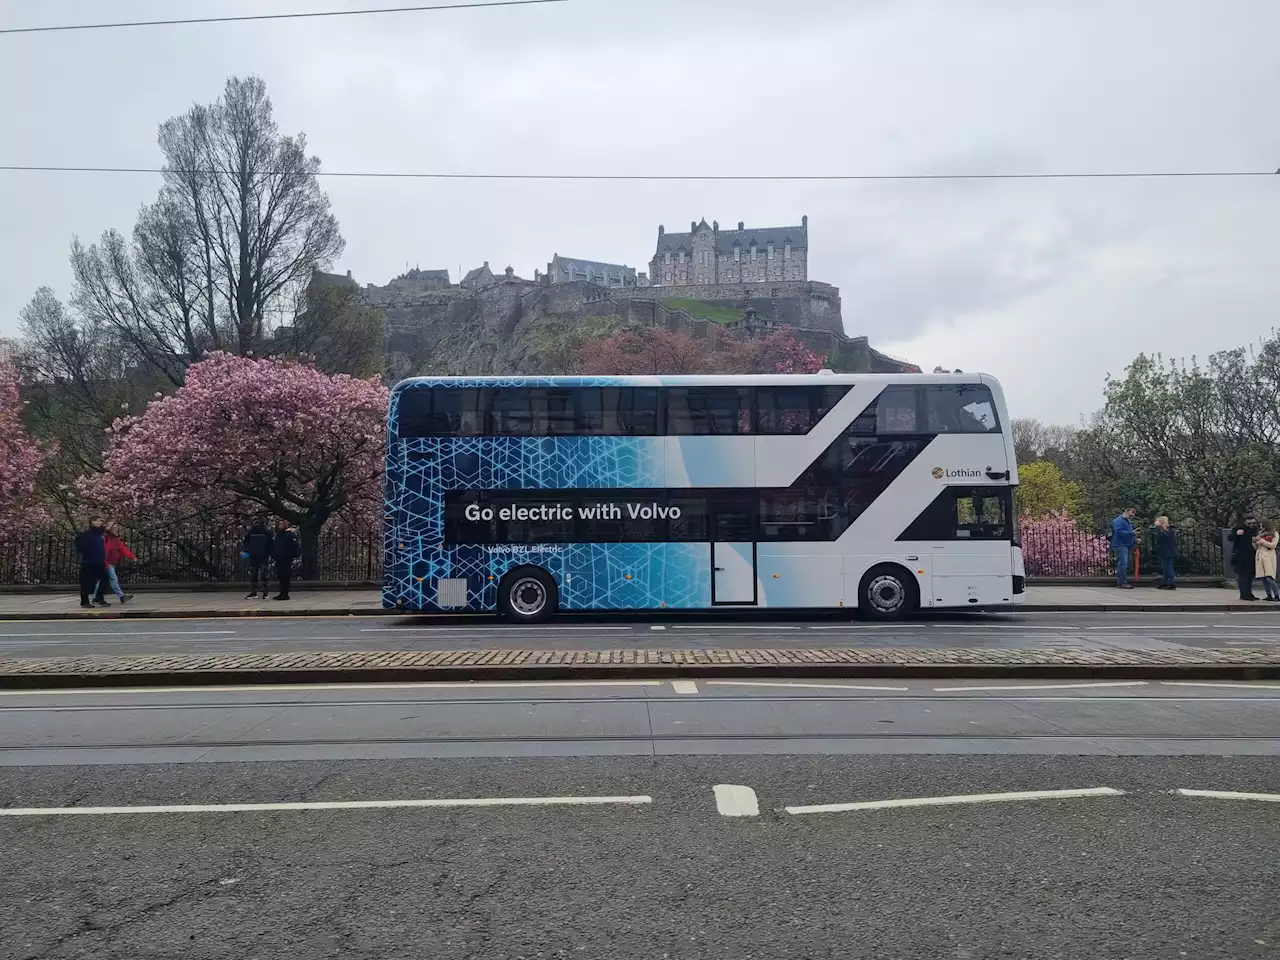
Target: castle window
(770,253)
(666,257)
(753,251)
(737,253)
(682,256)
(786,251)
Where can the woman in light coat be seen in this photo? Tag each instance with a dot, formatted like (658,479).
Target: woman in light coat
(1265,559)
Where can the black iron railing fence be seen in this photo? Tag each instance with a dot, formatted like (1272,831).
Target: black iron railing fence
(182,557)
(1063,550)
(349,555)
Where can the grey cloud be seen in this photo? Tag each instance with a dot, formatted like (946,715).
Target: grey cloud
(730,86)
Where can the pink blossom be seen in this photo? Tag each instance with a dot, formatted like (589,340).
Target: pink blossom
(22,459)
(245,436)
(1055,546)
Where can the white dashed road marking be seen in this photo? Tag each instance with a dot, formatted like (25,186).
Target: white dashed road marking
(1232,686)
(1049,686)
(811,686)
(309,687)
(329,805)
(684,686)
(119,633)
(1231,795)
(971,798)
(733,800)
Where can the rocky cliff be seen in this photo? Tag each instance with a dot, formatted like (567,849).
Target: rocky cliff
(518,326)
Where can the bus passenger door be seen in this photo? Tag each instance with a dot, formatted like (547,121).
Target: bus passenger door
(733,553)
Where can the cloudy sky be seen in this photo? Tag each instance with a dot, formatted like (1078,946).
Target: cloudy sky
(1048,284)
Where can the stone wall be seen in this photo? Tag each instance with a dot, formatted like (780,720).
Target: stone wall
(806,303)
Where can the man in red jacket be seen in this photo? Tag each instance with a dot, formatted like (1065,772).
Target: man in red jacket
(117,551)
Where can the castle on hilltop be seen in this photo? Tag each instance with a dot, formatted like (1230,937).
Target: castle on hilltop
(708,255)
(749,279)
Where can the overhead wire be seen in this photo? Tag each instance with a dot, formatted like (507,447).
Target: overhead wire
(302,15)
(689,177)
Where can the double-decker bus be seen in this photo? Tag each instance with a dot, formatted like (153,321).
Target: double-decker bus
(531,495)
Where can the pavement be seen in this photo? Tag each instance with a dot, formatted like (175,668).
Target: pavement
(913,820)
(23,605)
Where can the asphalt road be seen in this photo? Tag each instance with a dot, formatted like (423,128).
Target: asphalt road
(1142,631)
(622,846)
(636,718)
(1141,874)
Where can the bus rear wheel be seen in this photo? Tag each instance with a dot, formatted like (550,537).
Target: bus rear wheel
(527,595)
(888,592)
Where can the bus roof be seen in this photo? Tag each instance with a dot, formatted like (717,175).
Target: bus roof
(730,380)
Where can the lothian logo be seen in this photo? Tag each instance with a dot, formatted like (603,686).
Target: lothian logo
(960,473)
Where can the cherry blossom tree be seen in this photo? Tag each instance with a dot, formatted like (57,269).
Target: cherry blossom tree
(22,458)
(244,436)
(656,350)
(1055,546)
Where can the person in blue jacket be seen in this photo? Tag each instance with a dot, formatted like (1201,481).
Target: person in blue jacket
(1122,541)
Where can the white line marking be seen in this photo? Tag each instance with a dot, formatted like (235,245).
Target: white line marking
(733,800)
(811,686)
(1230,686)
(118,633)
(473,630)
(971,798)
(1231,795)
(734,626)
(684,686)
(308,687)
(655,627)
(328,805)
(1050,686)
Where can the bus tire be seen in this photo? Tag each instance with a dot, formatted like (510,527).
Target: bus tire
(888,592)
(527,595)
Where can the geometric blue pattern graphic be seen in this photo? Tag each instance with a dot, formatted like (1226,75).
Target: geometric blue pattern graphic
(608,576)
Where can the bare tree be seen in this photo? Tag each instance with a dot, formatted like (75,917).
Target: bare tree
(237,231)
(78,377)
(1034,440)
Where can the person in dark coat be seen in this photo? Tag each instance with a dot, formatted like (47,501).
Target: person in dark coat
(257,550)
(92,549)
(1242,556)
(284,550)
(1166,550)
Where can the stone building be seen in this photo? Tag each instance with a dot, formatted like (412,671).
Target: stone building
(708,255)
(567,269)
(427,279)
(479,278)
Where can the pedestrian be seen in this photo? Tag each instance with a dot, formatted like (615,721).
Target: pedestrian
(1122,541)
(92,551)
(284,550)
(1265,559)
(1243,560)
(117,551)
(1166,550)
(257,550)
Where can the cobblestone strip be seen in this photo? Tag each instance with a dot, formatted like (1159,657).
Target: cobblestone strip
(486,661)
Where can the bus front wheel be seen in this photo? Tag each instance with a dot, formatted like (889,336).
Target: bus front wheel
(527,595)
(888,592)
